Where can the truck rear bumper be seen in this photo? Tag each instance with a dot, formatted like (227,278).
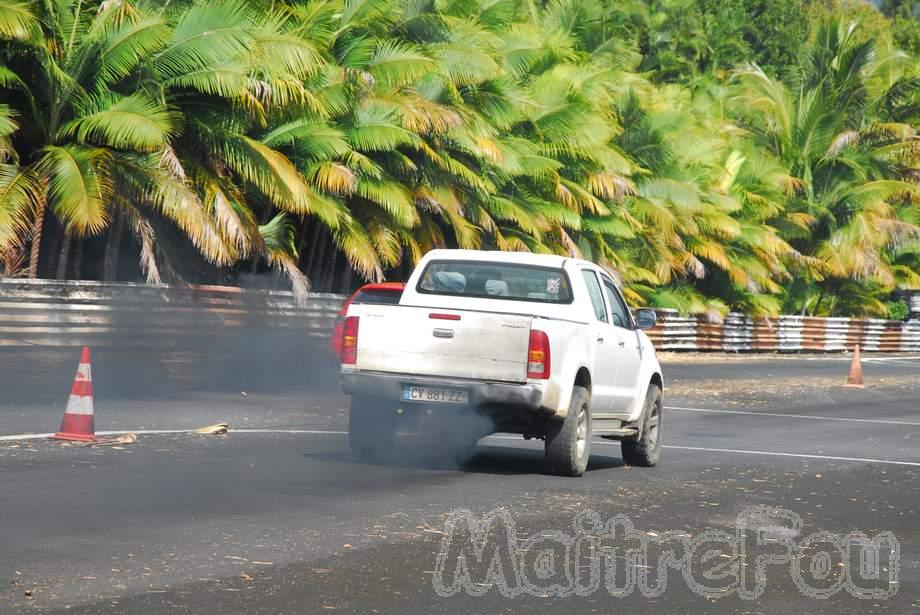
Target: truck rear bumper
(390,386)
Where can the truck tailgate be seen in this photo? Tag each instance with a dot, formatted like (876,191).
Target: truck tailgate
(478,345)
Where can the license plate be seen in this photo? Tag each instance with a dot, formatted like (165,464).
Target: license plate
(435,395)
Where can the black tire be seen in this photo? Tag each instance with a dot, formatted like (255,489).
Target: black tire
(371,428)
(646,449)
(568,443)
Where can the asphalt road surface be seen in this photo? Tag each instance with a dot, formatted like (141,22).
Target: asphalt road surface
(761,454)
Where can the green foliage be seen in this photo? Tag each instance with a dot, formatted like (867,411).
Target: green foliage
(897,310)
(754,155)
(905,32)
(682,39)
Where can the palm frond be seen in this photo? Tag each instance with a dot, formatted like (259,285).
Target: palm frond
(122,46)
(179,204)
(392,196)
(333,177)
(207,35)
(278,240)
(20,192)
(134,123)
(79,185)
(352,238)
(397,64)
(312,139)
(228,79)
(16,19)
(376,129)
(279,49)
(276,177)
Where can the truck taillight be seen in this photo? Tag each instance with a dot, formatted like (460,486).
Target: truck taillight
(350,341)
(337,336)
(538,355)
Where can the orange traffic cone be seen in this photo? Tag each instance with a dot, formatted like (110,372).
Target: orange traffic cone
(78,423)
(855,379)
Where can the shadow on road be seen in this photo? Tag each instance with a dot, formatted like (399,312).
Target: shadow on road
(486,459)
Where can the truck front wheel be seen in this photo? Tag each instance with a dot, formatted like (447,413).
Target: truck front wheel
(371,428)
(646,448)
(568,443)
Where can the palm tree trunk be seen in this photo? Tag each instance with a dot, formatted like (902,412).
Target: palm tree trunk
(112,248)
(314,243)
(78,260)
(346,278)
(64,255)
(814,310)
(302,239)
(319,264)
(329,277)
(36,247)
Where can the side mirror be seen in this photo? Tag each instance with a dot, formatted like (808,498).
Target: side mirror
(646,318)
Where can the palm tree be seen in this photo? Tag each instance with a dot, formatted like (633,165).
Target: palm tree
(142,117)
(851,158)
(79,136)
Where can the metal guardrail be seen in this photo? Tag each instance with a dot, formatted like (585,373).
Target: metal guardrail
(741,333)
(76,313)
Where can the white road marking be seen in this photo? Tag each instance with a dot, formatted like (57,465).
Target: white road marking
(843,357)
(895,362)
(799,455)
(161,432)
(493,437)
(795,416)
(768,453)
(293,431)
(840,356)
(25,436)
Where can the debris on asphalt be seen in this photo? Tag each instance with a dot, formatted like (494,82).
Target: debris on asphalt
(128,438)
(215,429)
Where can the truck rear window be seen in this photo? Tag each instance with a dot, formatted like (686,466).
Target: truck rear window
(496,281)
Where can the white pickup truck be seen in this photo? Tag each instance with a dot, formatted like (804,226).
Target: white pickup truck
(485,342)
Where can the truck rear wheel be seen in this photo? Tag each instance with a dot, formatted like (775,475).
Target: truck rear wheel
(646,448)
(371,428)
(568,443)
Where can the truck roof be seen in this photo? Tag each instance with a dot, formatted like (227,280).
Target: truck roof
(521,258)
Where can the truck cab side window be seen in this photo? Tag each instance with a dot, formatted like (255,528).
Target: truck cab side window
(594,291)
(617,307)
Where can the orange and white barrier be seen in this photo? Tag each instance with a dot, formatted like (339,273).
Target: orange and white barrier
(739,333)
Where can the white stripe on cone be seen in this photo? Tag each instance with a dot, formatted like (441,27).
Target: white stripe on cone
(78,404)
(84,373)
